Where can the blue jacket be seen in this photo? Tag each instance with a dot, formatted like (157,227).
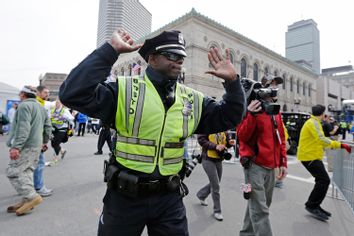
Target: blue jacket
(81,118)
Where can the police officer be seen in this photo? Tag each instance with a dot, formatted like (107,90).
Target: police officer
(153,115)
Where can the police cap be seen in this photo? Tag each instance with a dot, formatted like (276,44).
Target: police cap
(167,41)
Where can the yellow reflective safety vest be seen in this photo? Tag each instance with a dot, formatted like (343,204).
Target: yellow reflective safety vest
(147,135)
(218,138)
(57,117)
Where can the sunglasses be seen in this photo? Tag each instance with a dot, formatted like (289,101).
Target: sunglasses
(172,56)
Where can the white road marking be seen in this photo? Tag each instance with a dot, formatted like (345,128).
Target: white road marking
(307,180)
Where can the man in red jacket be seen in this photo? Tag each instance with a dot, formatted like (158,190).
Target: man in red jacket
(262,149)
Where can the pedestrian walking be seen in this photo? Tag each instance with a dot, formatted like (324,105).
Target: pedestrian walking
(28,136)
(214,149)
(4,120)
(82,120)
(95,126)
(153,115)
(62,120)
(11,113)
(38,178)
(310,153)
(261,137)
(104,137)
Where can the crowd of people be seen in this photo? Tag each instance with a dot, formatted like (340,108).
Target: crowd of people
(33,123)
(152,116)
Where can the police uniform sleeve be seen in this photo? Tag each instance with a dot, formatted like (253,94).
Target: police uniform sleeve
(225,114)
(84,89)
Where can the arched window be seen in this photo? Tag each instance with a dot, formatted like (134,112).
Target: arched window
(275,73)
(285,107)
(232,58)
(304,88)
(298,86)
(130,69)
(266,70)
(310,88)
(255,72)
(122,71)
(243,68)
(284,81)
(291,84)
(212,45)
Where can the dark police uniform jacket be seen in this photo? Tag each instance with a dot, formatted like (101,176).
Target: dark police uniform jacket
(85,90)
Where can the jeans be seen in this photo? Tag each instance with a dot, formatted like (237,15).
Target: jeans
(213,169)
(38,173)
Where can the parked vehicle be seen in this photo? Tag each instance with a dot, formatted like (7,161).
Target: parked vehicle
(293,122)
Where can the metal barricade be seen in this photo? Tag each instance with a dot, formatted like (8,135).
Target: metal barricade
(343,174)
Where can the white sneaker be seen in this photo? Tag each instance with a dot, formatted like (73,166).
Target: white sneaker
(218,216)
(45,192)
(203,202)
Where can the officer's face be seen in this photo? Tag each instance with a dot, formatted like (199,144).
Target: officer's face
(168,64)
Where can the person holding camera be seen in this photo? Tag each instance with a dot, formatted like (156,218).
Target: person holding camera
(153,116)
(261,138)
(214,151)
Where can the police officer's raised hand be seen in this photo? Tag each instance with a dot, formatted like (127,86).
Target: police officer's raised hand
(122,42)
(222,66)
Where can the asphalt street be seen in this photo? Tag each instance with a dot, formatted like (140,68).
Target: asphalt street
(78,186)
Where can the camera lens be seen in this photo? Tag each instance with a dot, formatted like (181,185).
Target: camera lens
(227,156)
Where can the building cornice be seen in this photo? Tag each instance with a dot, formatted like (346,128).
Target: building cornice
(193,14)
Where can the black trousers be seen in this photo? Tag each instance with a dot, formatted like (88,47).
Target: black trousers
(81,130)
(58,138)
(105,136)
(322,181)
(161,213)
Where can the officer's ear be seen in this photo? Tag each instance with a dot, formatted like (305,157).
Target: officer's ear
(152,60)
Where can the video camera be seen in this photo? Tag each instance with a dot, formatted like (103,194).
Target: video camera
(255,91)
(225,155)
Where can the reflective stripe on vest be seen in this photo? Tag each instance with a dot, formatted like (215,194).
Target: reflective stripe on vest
(57,118)
(147,134)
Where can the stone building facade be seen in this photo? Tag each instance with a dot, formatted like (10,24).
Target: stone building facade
(301,90)
(250,59)
(52,81)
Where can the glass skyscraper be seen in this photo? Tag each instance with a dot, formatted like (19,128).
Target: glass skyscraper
(129,15)
(303,44)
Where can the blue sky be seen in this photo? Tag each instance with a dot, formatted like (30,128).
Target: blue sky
(41,36)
